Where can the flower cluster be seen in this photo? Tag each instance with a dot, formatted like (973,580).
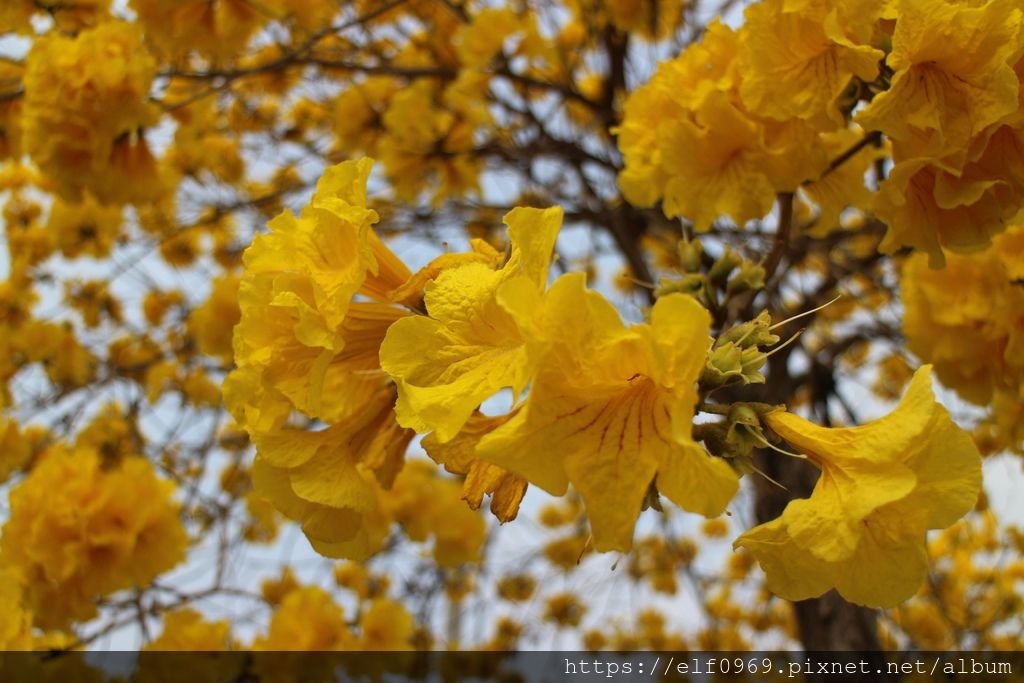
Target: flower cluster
(600,405)
(711,134)
(84,111)
(304,346)
(609,408)
(745,114)
(308,618)
(968,320)
(319,293)
(320,301)
(953,111)
(79,531)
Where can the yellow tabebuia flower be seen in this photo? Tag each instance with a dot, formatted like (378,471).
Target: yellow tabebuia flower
(212,323)
(472,343)
(482,38)
(78,532)
(318,295)
(930,207)
(185,630)
(86,227)
(428,507)
(796,63)
(329,480)
(652,20)
(15,449)
(11,75)
(686,137)
(307,618)
(386,625)
(16,16)
(15,618)
(611,408)
(954,74)
(305,346)
(300,331)
(968,318)
(882,486)
(218,29)
(678,87)
(85,103)
(716,165)
(844,187)
(430,138)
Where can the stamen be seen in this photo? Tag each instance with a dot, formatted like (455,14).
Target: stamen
(806,313)
(767,444)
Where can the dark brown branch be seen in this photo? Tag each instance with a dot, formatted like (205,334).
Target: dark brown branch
(872,138)
(782,233)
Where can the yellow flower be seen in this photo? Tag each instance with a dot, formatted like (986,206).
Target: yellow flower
(481,478)
(843,187)
(78,532)
(478,41)
(66,361)
(110,434)
(212,323)
(308,15)
(516,587)
(357,110)
(429,506)
(219,29)
(386,625)
(954,75)
(15,449)
(430,137)
(11,75)
(86,228)
(472,344)
(200,390)
(686,137)
(307,619)
(611,408)
(85,97)
(264,520)
(275,590)
(651,19)
(300,280)
(716,165)
(966,319)
(16,15)
(303,345)
(882,486)
(185,630)
(325,479)
(15,618)
(354,577)
(930,207)
(131,174)
(564,610)
(93,301)
(156,304)
(796,64)
(677,87)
